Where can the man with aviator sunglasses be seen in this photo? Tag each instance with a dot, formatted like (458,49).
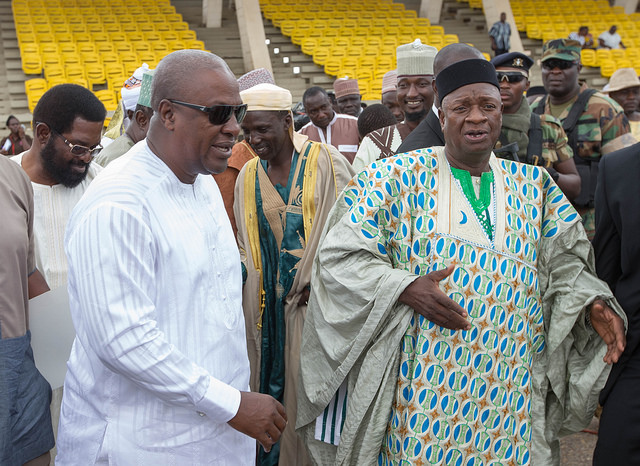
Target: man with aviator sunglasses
(155,288)
(595,125)
(527,137)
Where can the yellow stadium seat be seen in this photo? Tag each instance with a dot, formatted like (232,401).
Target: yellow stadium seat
(607,68)
(603,55)
(95,72)
(110,58)
(349,66)
(333,65)
(180,26)
(122,46)
(112,29)
(451,39)
(308,46)
(108,99)
(623,63)
(35,84)
(75,71)
(104,47)
(33,98)
(145,57)
(177,45)
(186,35)
(131,60)
(320,56)
(54,71)
(618,54)
(588,57)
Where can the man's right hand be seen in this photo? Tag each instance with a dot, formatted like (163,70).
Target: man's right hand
(261,417)
(425,297)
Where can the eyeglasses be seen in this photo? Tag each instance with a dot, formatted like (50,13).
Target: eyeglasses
(510,77)
(218,114)
(77,149)
(557,63)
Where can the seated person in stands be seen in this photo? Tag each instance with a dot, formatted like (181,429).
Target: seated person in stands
(584,37)
(17,141)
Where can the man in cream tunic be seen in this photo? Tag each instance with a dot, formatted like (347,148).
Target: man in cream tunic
(281,201)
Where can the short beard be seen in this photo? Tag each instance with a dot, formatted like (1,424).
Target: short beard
(60,171)
(416,116)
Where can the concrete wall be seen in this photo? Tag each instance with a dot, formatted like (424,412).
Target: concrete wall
(255,53)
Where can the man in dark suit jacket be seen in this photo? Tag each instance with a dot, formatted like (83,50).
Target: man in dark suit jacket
(617,249)
(428,132)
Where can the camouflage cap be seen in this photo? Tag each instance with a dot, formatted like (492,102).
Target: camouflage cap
(561,49)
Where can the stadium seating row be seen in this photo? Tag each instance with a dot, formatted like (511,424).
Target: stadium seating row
(356,38)
(93,43)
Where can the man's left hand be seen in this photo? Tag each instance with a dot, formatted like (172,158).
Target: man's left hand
(610,327)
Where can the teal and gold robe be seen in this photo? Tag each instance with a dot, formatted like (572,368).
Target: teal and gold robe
(529,369)
(278,232)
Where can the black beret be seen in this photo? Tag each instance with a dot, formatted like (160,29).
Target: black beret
(513,60)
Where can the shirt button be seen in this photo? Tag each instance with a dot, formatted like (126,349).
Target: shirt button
(201,414)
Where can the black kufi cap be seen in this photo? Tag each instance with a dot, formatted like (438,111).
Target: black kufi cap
(463,73)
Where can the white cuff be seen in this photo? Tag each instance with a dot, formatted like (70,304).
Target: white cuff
(221,401)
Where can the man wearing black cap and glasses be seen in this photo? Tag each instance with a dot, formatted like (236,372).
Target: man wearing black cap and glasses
(439,328)
(159,372)
(595,125)
(528,137)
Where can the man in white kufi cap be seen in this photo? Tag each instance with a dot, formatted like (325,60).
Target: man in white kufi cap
(282,199)
(415,97)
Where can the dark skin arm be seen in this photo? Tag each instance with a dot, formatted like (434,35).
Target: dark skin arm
(260,417)
(23,138)
(304,296)
(568,179)
(426,298)
(36,284)
(610,327)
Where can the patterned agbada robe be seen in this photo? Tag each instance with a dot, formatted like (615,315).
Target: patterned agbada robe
(450,397)
(464,395)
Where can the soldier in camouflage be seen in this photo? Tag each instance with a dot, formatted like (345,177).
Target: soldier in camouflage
(595,125)
(527,137)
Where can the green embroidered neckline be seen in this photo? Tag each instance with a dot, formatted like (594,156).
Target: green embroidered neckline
(479,205)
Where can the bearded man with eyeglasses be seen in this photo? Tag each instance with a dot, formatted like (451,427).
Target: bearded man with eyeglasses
(527,137)
(595,125)
(67,126)
(159,372)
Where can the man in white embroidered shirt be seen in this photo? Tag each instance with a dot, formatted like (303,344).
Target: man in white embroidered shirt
(327,126)
(159,372)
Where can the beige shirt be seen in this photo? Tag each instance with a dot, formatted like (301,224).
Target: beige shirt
(16,249)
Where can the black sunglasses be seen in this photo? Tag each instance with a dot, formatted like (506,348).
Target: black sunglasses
(513,77)
(218,114)
(557,63)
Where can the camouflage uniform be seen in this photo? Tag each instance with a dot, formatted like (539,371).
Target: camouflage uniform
(601,128)
(554,139)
